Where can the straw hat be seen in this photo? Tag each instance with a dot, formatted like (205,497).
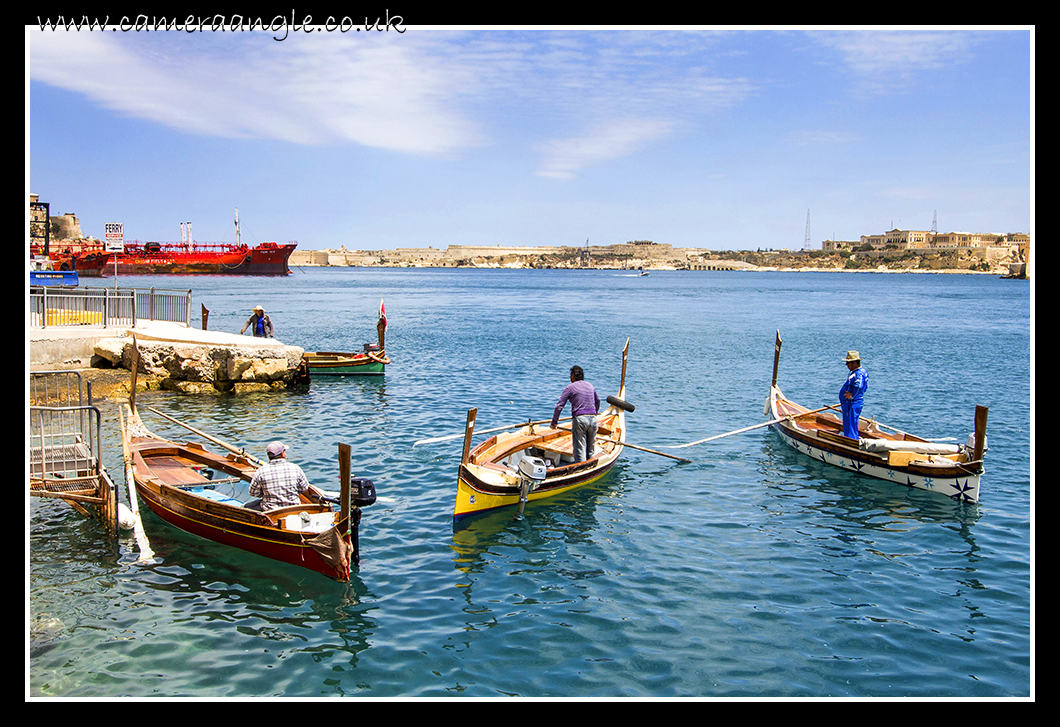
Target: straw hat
(257,308)
(852,356)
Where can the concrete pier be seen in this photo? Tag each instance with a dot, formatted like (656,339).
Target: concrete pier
(73,346)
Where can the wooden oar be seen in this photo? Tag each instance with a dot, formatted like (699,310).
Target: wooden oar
(215,440)
(754,426)
(486,431)
(146,554)
(634,446)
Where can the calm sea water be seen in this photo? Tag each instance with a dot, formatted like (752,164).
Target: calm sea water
(751,572)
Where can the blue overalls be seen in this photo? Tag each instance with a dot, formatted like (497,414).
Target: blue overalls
(856,384)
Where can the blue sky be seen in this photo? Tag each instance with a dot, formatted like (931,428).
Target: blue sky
(710,138)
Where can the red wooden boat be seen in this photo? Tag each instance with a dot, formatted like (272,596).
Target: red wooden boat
(204,494)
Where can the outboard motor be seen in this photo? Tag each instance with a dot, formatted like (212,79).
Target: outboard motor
(362,492)
(532,472)
(969,444)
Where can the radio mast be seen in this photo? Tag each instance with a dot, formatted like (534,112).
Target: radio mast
(806,242)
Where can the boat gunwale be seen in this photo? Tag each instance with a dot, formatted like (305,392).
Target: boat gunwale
(557,480)
(809,438)
(231,525)
(149,484)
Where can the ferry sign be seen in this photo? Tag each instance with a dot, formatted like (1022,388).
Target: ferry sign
(115,237)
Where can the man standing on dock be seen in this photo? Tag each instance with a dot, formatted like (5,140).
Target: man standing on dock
(852,395)
(584,403)
(259,324)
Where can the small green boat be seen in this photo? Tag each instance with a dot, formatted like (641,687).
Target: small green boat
(371,362)
(333,363)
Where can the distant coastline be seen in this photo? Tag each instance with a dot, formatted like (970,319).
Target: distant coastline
(649,257)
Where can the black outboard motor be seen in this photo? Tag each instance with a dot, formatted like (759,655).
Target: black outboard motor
(362,492)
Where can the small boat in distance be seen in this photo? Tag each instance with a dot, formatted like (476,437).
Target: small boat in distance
(892,455)
(533,461)
(371,362)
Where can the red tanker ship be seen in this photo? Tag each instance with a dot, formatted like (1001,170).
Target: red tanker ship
(155,258)
(90,258)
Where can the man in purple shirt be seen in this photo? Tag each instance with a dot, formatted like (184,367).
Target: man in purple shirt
(584,403)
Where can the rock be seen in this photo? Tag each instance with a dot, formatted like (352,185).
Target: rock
(110,349)
(189,387)
(256,369)
(254,387)
(205,367)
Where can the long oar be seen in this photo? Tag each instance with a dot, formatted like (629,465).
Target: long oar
(215,440)
(485,431)
(146,554)
(634,446)
(747,429)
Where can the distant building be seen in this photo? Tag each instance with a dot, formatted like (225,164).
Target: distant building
(906,239)
(840,244)
(874,240)
(968,239)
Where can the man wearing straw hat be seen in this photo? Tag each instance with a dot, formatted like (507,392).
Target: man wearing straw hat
(852,395)
(258,323)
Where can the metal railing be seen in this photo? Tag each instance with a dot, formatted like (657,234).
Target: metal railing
(65,446)
(106,307)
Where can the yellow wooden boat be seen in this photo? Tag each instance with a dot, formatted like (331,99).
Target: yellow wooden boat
(534,461)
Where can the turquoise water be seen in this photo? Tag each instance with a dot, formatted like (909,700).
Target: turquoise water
(751,572)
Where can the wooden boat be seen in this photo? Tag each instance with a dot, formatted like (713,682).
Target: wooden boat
(371,362)
(330,363)
(534,461)
(204,494)
(881,451)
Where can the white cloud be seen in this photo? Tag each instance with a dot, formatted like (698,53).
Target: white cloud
(436,93)
(306,90)
(564,157)
(885,61)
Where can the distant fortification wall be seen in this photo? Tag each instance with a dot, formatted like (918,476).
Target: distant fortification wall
(65,227)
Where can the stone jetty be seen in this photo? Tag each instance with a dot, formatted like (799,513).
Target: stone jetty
(172,357)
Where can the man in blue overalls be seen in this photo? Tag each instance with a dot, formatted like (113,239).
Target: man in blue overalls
(258,323)
(852,395)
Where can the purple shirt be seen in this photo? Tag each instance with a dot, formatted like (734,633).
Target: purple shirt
(583,400)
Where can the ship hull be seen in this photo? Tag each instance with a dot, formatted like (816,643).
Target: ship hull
(266,259)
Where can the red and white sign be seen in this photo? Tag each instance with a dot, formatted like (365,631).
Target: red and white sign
(114,234)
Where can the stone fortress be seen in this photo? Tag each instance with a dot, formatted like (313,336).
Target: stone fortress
(630,255)
(894,250)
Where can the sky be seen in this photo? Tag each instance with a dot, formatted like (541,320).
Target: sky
(719,138)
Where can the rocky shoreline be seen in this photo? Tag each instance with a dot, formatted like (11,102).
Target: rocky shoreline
(651,256)
(173,357)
